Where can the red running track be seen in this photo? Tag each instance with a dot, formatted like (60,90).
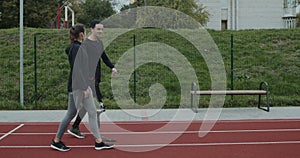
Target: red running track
(227,139)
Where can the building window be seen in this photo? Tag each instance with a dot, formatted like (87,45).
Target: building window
(289,3)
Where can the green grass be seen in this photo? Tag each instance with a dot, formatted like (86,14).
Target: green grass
(259,55)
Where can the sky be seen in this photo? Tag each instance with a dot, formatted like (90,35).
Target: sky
(120,3)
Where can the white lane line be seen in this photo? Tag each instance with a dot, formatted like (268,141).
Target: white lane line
(211,144)
(196,121)
(193,132)
(174,132)
(10,132)
(165,145)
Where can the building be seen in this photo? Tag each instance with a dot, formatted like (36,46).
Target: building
(250,14)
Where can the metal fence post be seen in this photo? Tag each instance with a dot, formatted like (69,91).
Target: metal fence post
(231,68)
(35,72)
(134,65)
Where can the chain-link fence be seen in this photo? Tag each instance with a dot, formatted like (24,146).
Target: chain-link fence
(258,55)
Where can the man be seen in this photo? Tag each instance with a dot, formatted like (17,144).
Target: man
(94,38)
(74,130)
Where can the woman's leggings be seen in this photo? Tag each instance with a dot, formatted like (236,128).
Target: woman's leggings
(88,106)
(68,117)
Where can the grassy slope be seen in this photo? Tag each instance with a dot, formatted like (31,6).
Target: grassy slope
(260,55)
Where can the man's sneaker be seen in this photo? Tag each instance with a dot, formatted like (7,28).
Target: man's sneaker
(102,145)
(60,146)
(101,105)
(76,132)
(101,108)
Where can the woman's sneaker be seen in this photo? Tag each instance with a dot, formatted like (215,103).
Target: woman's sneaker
(60,146)
(76,132)
(102,145)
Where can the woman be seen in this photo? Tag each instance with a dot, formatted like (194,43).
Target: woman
(77,34)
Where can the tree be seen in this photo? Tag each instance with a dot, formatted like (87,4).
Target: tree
(8,18)
(1,12)
(37,13)
(41,13)
(189,7)
(95,9)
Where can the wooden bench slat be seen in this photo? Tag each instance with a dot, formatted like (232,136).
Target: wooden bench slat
(223,92)
(261,91)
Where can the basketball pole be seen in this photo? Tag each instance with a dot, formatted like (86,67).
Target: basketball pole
(66,16)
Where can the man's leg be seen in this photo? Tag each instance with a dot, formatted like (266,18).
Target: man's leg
(74,130)
(98,92)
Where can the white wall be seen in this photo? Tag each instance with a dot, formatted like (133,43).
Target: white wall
(250,14)
(259,14)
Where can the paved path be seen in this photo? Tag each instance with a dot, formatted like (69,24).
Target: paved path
(158,115)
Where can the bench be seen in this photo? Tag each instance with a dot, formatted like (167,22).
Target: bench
(259,92)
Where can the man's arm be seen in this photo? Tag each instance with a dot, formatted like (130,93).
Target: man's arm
(106,60)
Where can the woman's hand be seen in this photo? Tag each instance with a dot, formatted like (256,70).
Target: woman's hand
(86,93)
